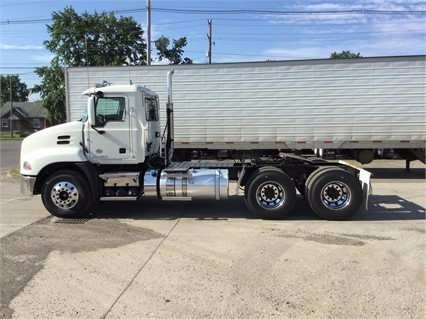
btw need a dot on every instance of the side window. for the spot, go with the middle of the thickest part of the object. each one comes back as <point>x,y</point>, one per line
<point>151,109</point>
<point>36,123</point>
<point>110,109</point>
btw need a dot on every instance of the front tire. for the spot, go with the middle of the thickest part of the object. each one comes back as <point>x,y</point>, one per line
<point>65,194</point>
<point>270,193</point>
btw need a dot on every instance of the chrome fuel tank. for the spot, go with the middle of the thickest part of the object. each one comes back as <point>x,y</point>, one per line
<point>194,183</point>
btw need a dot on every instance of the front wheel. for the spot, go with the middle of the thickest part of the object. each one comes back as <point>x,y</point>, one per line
<point>270,193</point>
<point>65,194</point>
<point>334,194</point>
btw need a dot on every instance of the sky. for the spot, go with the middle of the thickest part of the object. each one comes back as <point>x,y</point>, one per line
<point>242,30</point>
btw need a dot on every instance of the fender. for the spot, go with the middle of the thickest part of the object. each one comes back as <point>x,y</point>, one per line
<point>92,176</point>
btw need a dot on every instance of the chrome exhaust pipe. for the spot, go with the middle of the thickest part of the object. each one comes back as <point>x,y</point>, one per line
<point>170,120</point>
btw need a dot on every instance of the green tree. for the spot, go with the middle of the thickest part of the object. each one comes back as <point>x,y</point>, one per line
<point>345,55</point>
<point>20,91</point>
<point>95,39</point>
<point>172,53</point>
<point>52,91</point>
<point>86,40</point>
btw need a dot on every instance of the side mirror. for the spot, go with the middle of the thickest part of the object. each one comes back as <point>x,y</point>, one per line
<point>91,114</point>
<point>91,111</point>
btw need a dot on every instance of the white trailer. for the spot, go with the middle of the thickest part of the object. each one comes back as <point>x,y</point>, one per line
<point>345,104</point>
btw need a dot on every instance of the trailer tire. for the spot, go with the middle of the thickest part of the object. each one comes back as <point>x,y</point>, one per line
<point>334,194</point>
<point>65,194</point>
<point>270,193</point>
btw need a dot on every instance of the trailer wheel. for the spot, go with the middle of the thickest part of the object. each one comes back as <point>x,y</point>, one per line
<point>334,194</point>
<point>65,194</point>
<point>270,193</point>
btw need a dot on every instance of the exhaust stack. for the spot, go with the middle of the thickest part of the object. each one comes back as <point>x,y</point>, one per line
<point>170,120</point>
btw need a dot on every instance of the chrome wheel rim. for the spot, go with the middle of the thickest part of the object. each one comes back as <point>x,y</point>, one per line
<point>64,195</point>
<point>336,195</point>
<point>270,195</point>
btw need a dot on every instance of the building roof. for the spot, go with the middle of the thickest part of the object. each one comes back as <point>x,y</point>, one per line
<point>25,109</point>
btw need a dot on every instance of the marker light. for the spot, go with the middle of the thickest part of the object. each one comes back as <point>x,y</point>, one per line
<point>27,166</point>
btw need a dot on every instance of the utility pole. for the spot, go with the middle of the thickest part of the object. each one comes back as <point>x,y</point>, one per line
<point>11,107</point>
<point>209,36</point>
<point>148,32</point>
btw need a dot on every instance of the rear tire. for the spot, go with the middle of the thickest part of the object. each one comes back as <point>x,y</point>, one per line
<point>65,194</point>
<point>270,193</point>
<point>303,188</point>
<point>334,194</point>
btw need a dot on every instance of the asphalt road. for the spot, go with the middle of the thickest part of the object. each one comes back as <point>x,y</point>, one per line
<point>211,259</point>
<point>9,154</point>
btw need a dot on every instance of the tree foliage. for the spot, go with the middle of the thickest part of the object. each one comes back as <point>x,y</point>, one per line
<point>20,91</point>
<point>86,40</point>
<point>345,55</point>
<point>52,91</point>
<point>174,52</point>
<point>95,39</point>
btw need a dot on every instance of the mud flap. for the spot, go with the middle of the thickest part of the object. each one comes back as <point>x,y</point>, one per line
<point>364,177</point>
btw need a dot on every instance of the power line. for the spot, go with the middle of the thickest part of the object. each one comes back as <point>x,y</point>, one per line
<point>242,11</point>
<point>279,12</point>
<point>268,39</point>
<point>18,68</point>
<point>25,21</point>
<point>420,32</point>
<point>253,55</point>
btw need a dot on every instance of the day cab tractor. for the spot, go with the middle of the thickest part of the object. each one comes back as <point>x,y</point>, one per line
<point>117,151</point>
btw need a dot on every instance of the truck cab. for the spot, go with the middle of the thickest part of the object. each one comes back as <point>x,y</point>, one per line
<point>121,124</point>
<point>120,128</point>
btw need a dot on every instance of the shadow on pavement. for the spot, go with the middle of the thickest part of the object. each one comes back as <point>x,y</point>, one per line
<point>381,207</point>
<point>397,173</point>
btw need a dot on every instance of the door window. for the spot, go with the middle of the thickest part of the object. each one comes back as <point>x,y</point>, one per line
<point>110,109</point>
<point>151,109</point>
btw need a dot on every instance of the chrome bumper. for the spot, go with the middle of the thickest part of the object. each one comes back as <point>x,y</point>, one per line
<point>27,185</point>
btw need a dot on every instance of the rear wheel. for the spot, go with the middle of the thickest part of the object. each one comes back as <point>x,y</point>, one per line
<point>65,194</point>
<point>270,193</point>
<point>334,194</point>
<point>303,188</point>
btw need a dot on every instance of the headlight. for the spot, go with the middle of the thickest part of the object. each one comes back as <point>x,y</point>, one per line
<point>27,166</point>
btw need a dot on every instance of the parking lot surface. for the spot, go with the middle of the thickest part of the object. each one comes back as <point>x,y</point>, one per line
<point>212,259</point>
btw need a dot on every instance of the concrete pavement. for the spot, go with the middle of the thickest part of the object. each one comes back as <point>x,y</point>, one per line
<point>9,154</point>
<point>209,259</point>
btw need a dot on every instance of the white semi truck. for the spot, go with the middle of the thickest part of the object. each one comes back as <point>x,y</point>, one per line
<point>114,152</point>
<point>351,106</point>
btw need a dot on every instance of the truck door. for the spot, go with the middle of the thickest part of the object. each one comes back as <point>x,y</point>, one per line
<point>109,138</point>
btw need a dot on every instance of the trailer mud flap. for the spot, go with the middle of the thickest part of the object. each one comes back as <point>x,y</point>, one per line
<point>364,177</point>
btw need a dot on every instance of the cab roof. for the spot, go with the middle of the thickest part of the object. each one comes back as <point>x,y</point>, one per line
<point>126,88</point>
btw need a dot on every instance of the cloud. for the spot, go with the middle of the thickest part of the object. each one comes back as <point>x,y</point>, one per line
<point>20,47</point>
<point>380,47</point>
<point>320,12</point>
<point>307,52</point>
<point>47,58</point>
<point>387,47</point>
